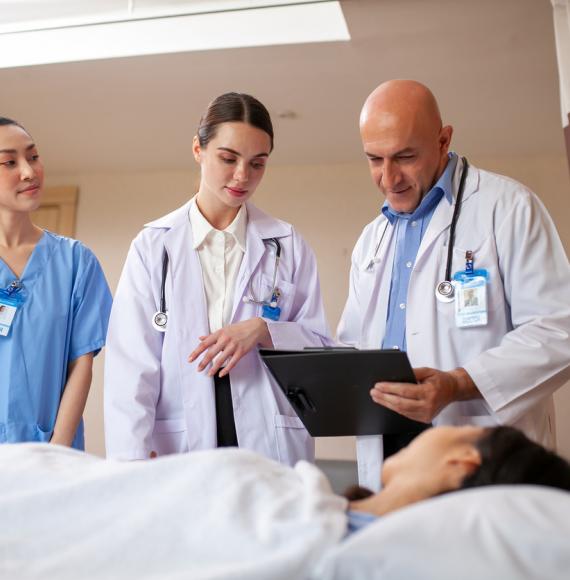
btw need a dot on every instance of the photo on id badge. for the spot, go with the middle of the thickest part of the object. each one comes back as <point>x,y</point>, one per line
<point>7,313</point>
<point>471,302</point>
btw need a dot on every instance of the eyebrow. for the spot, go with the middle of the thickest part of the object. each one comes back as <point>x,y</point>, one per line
<point>401,152</point>
<point>32,146</point>
<point>239,154</point>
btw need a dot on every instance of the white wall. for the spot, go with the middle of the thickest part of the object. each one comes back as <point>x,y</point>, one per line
<point>329,204</point>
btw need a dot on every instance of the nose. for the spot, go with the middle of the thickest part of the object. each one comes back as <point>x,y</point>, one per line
<point>241,173</point>
<point>391,175</point>
<point>27,172</point>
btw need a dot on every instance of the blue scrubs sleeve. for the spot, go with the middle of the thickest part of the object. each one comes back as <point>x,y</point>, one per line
<point>91,308</point>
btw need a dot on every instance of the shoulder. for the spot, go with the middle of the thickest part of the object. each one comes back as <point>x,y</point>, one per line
<point>170,220</point>
<point>501,189</point>
<point>69,248</point>
<point>153,232</point>
<point>266,225</point>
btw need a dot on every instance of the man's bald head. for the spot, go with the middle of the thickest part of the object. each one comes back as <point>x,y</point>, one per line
<point>405,100</point>
<point>404,140</point>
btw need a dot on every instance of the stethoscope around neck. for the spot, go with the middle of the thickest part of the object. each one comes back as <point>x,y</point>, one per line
<point>444,290</point>
<point>160,318</point>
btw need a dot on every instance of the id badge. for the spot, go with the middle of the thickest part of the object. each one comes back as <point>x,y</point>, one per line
<point>471,298</point>
<point>8,308</point>
<point>271,311</point>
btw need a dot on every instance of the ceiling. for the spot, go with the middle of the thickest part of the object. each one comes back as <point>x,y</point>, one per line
<point>491,64</point>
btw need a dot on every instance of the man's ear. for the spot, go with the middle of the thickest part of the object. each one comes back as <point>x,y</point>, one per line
<point>445,138</point>
<point>196,149</point>
<point>460,463</point>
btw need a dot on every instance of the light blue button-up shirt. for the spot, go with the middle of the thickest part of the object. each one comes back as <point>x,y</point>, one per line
<point>410,229</point>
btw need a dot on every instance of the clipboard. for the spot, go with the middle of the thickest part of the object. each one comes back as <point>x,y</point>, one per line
<point>329,389</point>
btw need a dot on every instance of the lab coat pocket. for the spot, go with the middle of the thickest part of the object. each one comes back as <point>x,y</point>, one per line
<point>169,436</point>
<point>286,296</point>
<point>293,440</point>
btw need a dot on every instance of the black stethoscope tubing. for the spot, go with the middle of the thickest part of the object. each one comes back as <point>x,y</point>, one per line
<point>163,282</point>
<point>160,318</point>
<point>455,219</point>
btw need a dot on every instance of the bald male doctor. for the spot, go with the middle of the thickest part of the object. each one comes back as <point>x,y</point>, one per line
<point>492,343</point>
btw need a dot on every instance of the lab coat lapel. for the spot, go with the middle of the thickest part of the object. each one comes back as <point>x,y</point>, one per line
<point>190,312</point>
<point>378,279</point>
<point>255,248</point>
<point>260,226</point>
<point>441,220</point>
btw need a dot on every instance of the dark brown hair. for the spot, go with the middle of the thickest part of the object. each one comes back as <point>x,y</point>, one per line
<point>4,121</point>
<point>508,456</point>
<point>233,107</point>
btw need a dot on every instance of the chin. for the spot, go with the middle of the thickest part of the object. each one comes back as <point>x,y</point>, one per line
<point>236,201</point>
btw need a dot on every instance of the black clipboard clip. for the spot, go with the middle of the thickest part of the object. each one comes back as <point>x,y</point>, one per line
<point>300,400</point>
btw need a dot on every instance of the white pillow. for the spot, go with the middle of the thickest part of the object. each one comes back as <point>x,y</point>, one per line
<point>499,532</point>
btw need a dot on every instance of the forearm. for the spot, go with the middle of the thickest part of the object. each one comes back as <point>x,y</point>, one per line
<point>465,387</point>
<point>73,400</point>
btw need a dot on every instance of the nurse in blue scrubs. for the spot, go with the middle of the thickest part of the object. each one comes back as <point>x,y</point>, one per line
<point>54,308</point>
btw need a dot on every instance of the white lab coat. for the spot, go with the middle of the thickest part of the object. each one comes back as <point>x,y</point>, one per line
<point>523,354</point>
<point>155,400</point>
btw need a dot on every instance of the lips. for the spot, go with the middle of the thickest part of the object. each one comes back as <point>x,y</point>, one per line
<point>33,188</point>
<point>236,191</point>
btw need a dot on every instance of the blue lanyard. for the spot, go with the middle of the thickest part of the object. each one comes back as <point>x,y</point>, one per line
<point>11,294</point>
<point>13,287</point>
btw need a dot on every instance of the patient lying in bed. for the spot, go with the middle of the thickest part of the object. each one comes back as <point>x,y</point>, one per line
<point>447,459</point>
<point>228,513</point>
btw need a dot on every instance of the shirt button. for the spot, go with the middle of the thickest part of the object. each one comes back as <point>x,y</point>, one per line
<point>395,347</point>
<point>414,224</point>
<point>408,264</point>
<point>219,269</point>
<point>402,306</point>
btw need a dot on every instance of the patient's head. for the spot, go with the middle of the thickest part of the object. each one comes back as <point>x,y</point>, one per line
<point>450,458</point>
<point>508,456</point>
<point>446,459</point>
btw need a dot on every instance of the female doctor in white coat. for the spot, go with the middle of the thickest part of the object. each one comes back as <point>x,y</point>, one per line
<point>234,279</point>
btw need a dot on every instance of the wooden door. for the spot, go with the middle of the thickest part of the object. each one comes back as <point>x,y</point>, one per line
<point>57,211</point>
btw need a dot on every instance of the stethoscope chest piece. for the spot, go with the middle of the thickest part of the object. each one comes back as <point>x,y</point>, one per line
<point>445,291</point>
<point>159,321</point>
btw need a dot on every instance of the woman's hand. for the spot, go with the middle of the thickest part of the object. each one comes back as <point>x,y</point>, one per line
<point>229,344</point>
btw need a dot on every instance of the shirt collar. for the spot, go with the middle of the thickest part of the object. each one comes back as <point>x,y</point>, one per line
<point>443,187</point>
<point>201,227</point>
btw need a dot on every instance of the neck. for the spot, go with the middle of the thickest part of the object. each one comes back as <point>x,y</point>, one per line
<point>17,229</point>
<point>219,215</point>
<point>393,497</point>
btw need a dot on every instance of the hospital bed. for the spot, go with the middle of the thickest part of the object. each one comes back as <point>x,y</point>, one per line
<point>231,514</point>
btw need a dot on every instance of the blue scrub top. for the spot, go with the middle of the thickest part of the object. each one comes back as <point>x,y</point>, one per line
<point>65,313</point>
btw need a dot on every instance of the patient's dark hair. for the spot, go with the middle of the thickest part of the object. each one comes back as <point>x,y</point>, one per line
<point>508,456</point>
<point>233,107</point>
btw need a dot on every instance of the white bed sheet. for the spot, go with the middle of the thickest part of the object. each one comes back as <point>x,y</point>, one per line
<point>208,515</point>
